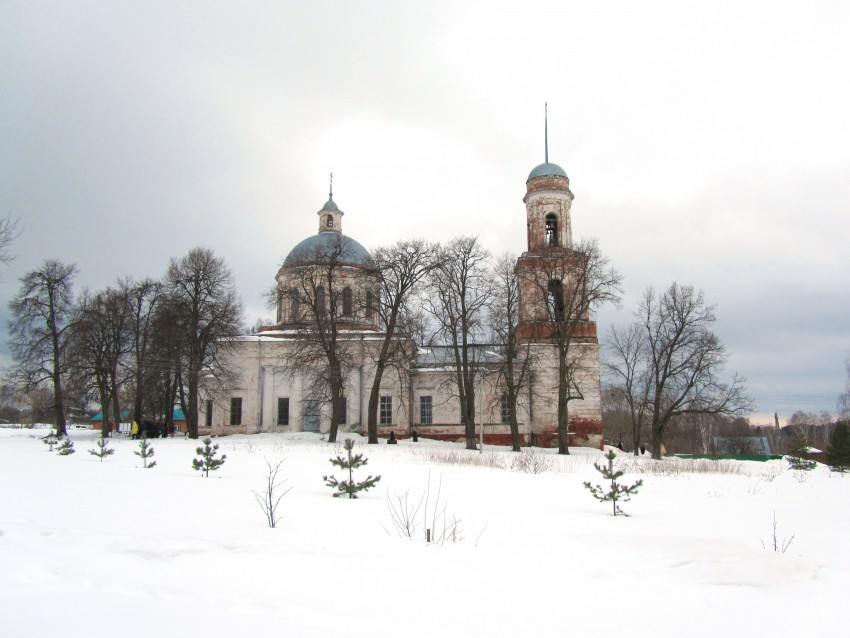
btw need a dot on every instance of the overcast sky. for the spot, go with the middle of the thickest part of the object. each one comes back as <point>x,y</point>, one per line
<point>707,143</point>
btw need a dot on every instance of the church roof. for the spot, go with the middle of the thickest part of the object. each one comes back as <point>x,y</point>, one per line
<point>547,169</point>
<point>319,248</point>
<point>330,205</point>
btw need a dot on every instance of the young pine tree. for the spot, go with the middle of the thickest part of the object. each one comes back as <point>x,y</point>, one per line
<point>102,449</point>
<point>145,451</point>
<point>208,461</point>
<point>616,491</point>
<point>351,462</point>
<point>838,450</point>
<point>66,448</point>
<point>50,441</point>
<point>796,455</point>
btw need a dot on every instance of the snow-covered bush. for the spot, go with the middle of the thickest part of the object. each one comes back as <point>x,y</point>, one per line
<point>532,462</point>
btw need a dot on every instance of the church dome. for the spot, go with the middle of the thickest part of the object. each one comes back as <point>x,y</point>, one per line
<point>547,169</point>
<point>315,249</point>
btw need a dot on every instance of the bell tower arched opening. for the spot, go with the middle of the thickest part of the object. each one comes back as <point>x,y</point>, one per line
<point>551,239</point>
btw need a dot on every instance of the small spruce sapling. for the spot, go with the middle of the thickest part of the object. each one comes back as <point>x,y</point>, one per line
<point>66,448</point>
<point>208,461</point>
<point>145,452</point>
<point>616,491</point>
<point>838,450</point>
<point>50,441</point>
<point>350,463</point>
<point>796,454</point>
<point>102,450</point>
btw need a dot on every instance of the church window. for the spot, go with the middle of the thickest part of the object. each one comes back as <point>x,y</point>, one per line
<point>330,221</point>
<point>506,408</point>
<point>346,302</point>
<point>426,410</point>
<point>294,305</point>
<point>370,305</point>
<point>283,411</point>
<point>236,411</point>
<point>556,300</point>
<point>551,230</point>
<point>386,410</point>
<point>208,414</point>
<point>320,301</point>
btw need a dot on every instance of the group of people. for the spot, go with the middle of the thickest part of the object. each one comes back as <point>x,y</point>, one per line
<point>151,430</point>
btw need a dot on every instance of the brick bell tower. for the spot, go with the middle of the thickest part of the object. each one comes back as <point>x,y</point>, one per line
<point>548,203</point>
<point>545,271</point>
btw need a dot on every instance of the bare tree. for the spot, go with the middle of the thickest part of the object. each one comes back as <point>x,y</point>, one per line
<point>8,233</point>
<point>401,267</point>
<point>683,359</point>
<point>209,312</point>
<point>629,376</point>
<point>575,282</point>
<point>39,331</point>
<point>461,290</point>
<point>142,299</point>
<point>515,370</point>
<point>99,342</point>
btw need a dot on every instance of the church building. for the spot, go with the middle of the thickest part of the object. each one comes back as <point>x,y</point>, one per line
<point>279,380</point>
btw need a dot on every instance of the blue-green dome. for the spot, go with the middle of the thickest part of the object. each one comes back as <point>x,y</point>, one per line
<point>547,169</point>
<point>319,248</point>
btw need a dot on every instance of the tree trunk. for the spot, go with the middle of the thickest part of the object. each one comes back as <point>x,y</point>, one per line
<point>192,401</point>
<point>374,399</point>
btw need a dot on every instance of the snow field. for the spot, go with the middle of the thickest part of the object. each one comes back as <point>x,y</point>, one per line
<point>91,548</point>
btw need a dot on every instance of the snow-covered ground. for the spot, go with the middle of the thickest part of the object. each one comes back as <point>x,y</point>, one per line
<point>91,548</point>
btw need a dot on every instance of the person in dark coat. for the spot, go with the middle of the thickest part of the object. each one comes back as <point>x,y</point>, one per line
<point>414,436</point>
<point>391,440</point>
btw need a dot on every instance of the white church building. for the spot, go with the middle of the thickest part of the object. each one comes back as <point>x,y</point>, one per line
<point>271,390</point>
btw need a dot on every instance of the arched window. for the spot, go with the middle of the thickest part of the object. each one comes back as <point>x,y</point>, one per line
<point>346,302</point>
<point>279,305</point>
<point>294,305</point>
<point>320,301</point>
<point>329,222</point>
<point>551,229</point>
<point>556,300</point>
<point>370,305</point>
